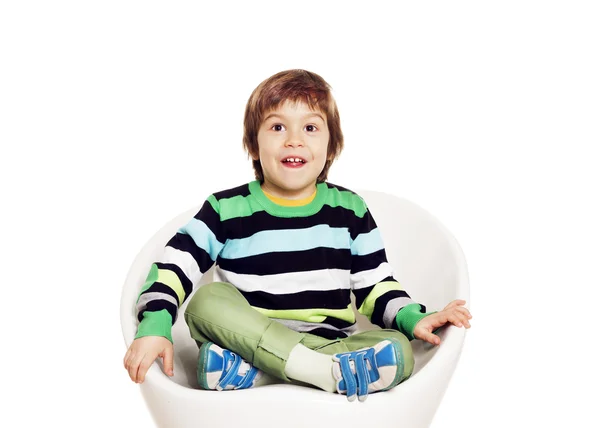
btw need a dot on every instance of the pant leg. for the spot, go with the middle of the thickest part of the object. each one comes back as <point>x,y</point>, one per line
<point>364,340</point>
<point>218,313</point>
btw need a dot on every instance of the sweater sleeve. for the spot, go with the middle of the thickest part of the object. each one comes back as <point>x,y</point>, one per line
<point>186,257</point>
<point>408,317</point>
<point>379,296</point>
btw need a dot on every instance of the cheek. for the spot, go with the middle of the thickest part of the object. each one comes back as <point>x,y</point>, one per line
<point>322,151</point>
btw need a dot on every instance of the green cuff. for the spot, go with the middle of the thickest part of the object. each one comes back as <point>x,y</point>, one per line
<point>155,324</point>
<point>408,317</point>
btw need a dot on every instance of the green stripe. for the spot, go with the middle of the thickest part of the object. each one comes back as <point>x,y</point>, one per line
<point>155,324</point>
<point>170,279</point>
<point>379,290</point>
<point>309,315</point>
<point>408,317</point>
<point>256,201</point>
<point>239,206</point>
<point>150,279</point>
<point>288,211</point>
<point>214,203</point>
<point>346,199</point>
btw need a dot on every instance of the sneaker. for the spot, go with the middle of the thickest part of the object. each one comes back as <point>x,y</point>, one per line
<point>220,369</point>
<point>368,370</point>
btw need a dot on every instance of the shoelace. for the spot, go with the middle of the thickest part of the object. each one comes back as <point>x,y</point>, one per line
<point>357,374</point>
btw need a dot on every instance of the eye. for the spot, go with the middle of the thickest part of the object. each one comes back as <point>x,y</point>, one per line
<point>311,128</point>
<point>277,127</point>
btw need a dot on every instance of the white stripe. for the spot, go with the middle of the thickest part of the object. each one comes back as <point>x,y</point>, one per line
<point>286,283</point>
<point>366,278</point>
<point>392,308</point>
<point>184,261</point>
<point>148,297</point>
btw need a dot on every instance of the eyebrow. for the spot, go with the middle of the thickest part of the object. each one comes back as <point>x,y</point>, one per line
<point>305,117</point>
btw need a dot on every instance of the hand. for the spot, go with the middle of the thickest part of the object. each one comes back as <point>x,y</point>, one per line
<point>142,353</point>
<point>453,313</point>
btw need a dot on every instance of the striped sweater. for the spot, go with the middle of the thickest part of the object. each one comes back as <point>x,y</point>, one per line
<point>295,264</point>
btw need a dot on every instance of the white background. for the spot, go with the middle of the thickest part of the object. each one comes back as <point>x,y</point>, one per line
<point>117,116</point>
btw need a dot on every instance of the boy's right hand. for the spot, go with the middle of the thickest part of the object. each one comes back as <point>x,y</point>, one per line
<point>142,353</point>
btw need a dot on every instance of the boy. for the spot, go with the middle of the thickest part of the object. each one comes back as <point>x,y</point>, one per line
<point>289,249</point>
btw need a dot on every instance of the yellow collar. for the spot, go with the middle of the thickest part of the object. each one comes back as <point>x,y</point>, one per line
<point>291,202</point>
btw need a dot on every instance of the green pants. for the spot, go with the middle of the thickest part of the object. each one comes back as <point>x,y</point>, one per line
<point>218,313</point>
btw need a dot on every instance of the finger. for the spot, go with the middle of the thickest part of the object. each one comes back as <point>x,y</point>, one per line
<point>464,311</point>
<point>129,360</point>
<point>457,302</point>
<point>464,318</point>
<point>464,321</point>
<point>436,320</point>
<point>168,360</point>
<point>143,367</point>
<point>126,357</point>
<point>429,337</point>
<point>454,303</point>
<point>134,364</point>
<point>455,319</point>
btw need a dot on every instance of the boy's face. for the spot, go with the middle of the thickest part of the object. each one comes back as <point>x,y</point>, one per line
<point>292,132</point>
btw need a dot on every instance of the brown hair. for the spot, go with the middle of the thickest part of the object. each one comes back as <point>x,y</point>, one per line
<point>292,85</point>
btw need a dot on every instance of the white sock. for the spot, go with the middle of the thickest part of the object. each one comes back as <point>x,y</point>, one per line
<point>306,365</point>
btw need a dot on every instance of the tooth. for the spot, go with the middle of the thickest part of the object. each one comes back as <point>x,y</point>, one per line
<point>297,160</point>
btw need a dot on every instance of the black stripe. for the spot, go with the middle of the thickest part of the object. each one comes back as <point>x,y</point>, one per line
<point>327,333</point>
<point>212,219</point>
<point>338,323</point>
<point>158,305</point>
<point>185,243</point>
<point>381,303</point>
<point>185,282</point>
<point>159,287</point>
<point>363,225</point>
<point>291,261</point>
<point>359,225</point>
<point>368,261</point>
<point>361,294</point>
<point>330,299</point>
<point>243,190</point>
<point>340,188</point>
<point>243,227</point>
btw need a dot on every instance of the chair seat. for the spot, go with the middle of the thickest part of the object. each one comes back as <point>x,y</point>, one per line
<point>427,261</point>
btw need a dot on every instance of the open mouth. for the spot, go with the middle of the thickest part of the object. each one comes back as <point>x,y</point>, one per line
<point>293,162</point>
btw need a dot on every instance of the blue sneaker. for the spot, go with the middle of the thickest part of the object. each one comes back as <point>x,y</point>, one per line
<point>373,369</point>
<point>221,369</point>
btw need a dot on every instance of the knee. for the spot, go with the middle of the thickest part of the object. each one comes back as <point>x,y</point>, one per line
<point>407,354</point>
<point>206,301</point>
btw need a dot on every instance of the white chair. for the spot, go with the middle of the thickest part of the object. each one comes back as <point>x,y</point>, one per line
<point>429,263</point>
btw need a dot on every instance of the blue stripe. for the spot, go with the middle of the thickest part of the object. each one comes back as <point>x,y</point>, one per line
<point>367,243</point>
<point>203,237</point>
<point>285,240</point>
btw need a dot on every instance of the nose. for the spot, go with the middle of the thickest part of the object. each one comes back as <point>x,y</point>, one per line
<point>294,139</point>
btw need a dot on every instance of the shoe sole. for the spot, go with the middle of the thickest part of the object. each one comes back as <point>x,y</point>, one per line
<point>204,349</point>
<point>399,354</point>
<point>400,358</point>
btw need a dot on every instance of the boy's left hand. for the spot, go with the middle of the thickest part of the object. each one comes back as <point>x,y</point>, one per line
<point>453,313</point>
